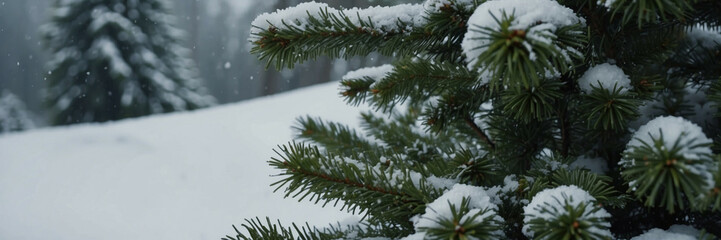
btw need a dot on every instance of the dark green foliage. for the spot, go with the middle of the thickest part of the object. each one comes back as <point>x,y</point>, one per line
<point>449,21</point>
<point>417,80</point>
<point>713,199</point>
<point>384,193</point>
<point>474,170</point>
<point>268,230</point>
<point>532,103</point>
<point>334,35</point>
<point>650,10</point>
<point>598,186</point>
<point>335,137</point>
<point>514,122</point>
<point>609,109</point>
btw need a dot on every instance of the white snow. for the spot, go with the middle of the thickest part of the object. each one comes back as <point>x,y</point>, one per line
<point>440,208</point>
<point>606,3</point>
<point>375,73</point>
<point>396,177</point>
<point>553,200</point>
<point>539,18</point>
<point>384,19</point>
<point>436,5</point>
<point>187,175</point>
<point>684,229</point>
<point>704,37</point>
<point>658,234</point>
<point>605,76</point>
<point>673,129</point>
<point>105,48</point>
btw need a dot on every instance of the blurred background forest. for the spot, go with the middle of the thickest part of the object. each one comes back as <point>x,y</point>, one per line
<point>216,32</point>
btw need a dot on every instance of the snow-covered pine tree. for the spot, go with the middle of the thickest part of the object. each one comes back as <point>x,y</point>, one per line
<point>509,119</point>
<point>14,116</point>
<point>116,59</point>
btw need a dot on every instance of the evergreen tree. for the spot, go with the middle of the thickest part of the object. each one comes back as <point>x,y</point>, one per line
<point>116,59</point>
<point>14,116</point>
<point>509,119</point>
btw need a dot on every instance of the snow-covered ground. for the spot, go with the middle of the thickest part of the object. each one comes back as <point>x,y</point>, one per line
<point>177,176</point>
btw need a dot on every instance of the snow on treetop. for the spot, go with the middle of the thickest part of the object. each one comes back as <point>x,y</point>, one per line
<point>553,200</point>
<point>604,76</point>
<point>384,19</point>
<point>534,16</point>
<point>439,208</point>
<point>375,73</point>
<point>673,128</point>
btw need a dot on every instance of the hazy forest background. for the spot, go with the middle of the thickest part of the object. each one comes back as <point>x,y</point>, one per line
<point>216,32</point>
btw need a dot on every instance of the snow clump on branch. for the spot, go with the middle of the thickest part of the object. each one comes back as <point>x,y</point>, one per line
<point>604,76</point>
<point>537,19</point>
<point>382,19</point>
<point>550,203</point>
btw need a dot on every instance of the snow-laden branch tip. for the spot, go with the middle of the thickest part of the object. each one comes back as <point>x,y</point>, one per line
<point>692,145</point>
<point>604,76</point>
<point>538,19</point>
<point>550,203</point>
<point>383,19</point>
<point>375,73</point>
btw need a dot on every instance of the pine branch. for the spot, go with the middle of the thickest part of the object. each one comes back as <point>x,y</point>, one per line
<point>470,168</point>
<point>464,223</point>
<point>532,103</point>
<point>455,107</point>
<point>653,44</point>
<point>382,193</point>
<point>649,11</point>
<point>338,139</point>
<point>511,58</point>
<point>707,13</point>
<point>338,33</point>
<point>450,20</point>
<point>696,61</point>
<point>480,133</point>
<point>609,109</point>
<point>268,230</point>
<point>414,80</point>
<point>598,186</point>
<point>518,143</point>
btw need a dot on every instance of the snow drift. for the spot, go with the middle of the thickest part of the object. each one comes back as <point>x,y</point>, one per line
<point>184,175</point>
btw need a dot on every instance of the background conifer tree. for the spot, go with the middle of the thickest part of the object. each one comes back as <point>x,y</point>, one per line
<point>14,116</point>
<point>116,59</point>
<point>509,119</point>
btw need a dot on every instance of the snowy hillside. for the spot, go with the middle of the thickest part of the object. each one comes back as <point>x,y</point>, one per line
<point>175,176</point>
